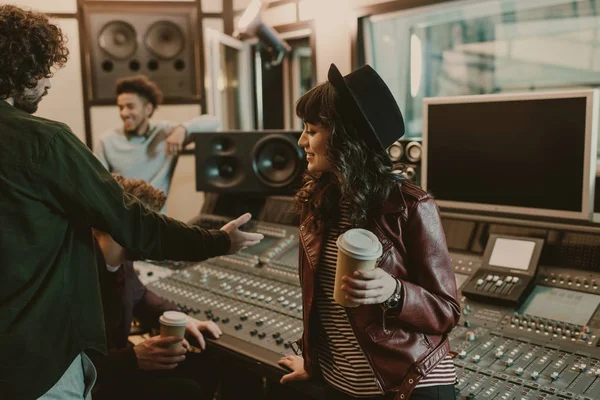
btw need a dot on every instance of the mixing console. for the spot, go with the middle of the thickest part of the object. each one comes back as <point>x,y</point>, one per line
<point>546,348</point>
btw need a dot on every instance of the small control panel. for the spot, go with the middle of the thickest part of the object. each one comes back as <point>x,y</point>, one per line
<point>508,270</point>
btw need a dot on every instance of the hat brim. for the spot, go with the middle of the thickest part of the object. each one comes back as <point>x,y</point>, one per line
<point>354,111</point>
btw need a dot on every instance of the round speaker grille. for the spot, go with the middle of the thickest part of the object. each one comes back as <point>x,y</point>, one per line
<point>117,39</point>
<point>276,160</point>
<point>223,171</point>
<point>413,151</point>
<point>395,151</point>
<point>165,40</point>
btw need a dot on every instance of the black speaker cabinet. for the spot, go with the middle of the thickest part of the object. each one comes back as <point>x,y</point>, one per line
<point>406,156</point>
<point>160,40</point>
<point>258,162</point>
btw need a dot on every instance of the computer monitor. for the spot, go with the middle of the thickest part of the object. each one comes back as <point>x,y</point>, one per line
<point>530,154</point>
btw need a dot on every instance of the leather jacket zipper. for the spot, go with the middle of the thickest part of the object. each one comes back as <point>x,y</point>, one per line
<point>369,361</point>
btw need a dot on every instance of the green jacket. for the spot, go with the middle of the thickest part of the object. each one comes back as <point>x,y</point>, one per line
<point>52,190</point>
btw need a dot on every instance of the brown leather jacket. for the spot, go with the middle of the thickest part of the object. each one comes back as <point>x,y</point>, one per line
<point>415,252</point>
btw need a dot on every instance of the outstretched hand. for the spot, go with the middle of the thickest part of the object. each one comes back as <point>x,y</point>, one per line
<point>240,240</point>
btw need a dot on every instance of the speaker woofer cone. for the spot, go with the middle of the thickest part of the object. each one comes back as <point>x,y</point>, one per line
<point>275,160</point>
<point>223,171</point>
<point>118,40</point>
<point>165,40</point>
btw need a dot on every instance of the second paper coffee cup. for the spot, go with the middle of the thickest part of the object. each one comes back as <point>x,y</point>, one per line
<point>358,250</point>
<point>172,323</point>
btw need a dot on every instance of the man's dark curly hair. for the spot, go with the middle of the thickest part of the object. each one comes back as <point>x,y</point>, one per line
<point>361,177</point>
<point>29,47</point>
<point>142,86</point>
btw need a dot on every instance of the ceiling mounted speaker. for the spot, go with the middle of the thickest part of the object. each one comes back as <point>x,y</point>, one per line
<point>275,160</point>
<point>165,40</point>
<point>266,163</point>
<point>118,40</point>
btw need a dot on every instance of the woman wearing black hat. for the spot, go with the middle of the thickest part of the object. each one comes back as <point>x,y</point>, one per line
<point>393,344</point>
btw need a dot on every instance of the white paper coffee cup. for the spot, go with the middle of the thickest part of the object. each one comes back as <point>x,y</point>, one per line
<point>172,323</point>
<point>358,250</point>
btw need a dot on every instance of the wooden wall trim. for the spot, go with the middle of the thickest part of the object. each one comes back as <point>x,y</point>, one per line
<point>85,76</point>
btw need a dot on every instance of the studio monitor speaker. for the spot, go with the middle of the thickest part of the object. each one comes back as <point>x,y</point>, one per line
<point>406,157</point>
<point>259,162</point>
<point>159,40</point>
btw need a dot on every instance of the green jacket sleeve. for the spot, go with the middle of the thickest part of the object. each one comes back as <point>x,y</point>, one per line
<point>83,190</point>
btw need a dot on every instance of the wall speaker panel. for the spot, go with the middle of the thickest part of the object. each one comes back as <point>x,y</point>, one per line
<point>160,41</point>
<point>406,157</point>
<point>259,162</point>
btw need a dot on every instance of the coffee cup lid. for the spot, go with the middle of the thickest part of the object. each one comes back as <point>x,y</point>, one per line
<point>360,244</point>
<point>173,318</point>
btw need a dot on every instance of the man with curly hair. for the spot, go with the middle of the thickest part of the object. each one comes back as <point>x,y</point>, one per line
<point>52,191</point>
<point>151,369</point>
<point>141,149</point>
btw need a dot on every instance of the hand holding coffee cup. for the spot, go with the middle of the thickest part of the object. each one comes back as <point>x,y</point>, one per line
<point>173,323</point>
<point>358,250</point>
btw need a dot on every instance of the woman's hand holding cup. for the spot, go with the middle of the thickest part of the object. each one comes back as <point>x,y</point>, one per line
<point>368,287</point>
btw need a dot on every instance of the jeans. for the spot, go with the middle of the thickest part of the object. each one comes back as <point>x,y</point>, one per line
<point>441,392</point>
<point>76,383</point>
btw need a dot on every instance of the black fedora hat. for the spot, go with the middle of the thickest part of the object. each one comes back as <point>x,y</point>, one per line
<point>369,104</point>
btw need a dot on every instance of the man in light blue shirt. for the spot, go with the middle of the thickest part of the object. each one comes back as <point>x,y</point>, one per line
<point>142,149</point>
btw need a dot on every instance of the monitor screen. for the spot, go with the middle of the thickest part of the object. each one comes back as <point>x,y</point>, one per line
<point>525,154</point>
<point>511,253</point>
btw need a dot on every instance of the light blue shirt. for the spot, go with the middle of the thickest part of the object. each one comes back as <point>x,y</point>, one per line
<point>145,157</point>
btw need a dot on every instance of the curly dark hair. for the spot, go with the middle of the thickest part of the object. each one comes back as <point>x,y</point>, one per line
<point>147,194</point>
<point>361,176</point>
<point>30,46</point>
<point>142,86</point>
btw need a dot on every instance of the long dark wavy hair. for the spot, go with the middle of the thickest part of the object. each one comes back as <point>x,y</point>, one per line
<point>361,177</point>
<point>29,47</point>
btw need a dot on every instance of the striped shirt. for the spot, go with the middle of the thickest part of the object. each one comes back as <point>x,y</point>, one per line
<point>342,361</point>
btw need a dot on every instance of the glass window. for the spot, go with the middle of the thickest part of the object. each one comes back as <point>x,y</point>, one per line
<point>477,47</point>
